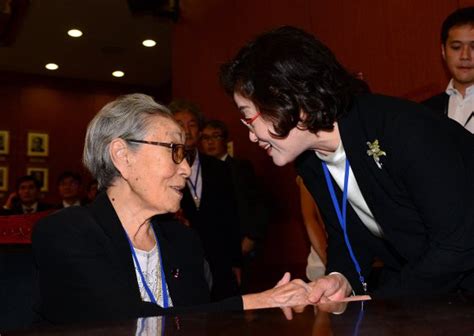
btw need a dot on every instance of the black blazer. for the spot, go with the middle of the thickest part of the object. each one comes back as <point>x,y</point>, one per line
<point>217,223</point>
<point>422,197</point>
<point>86,271</point>
<point>438,103</point>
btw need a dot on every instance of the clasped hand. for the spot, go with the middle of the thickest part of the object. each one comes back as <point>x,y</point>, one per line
<point>294,295</point>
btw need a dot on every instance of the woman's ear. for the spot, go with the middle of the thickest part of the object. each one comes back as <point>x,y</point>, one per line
<point>120,156</point>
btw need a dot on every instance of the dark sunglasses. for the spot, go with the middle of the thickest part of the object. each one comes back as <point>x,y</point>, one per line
<point>179,152</point>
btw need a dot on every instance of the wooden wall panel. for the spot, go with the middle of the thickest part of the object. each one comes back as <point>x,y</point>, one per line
<point>61,108</point>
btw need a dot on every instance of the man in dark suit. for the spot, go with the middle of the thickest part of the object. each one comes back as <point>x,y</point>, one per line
<point>209,207</point>
<point>392,180</point>
<point>253,213</point>
<point>251,207</point>
<point>69,189</point>
<point>457,38</point>
<point>26,198</point>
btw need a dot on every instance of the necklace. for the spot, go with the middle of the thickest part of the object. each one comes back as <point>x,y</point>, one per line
<point>164,292</point>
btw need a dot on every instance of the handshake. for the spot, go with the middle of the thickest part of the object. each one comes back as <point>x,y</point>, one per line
<point>331,293</point>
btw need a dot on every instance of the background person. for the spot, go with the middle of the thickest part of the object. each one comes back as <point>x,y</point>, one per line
<point>26,198</point>
<point>457,40</point>
<point>69,189</point>
<point>252,210</point>
<point>209,206</point>
<point>251,206</point>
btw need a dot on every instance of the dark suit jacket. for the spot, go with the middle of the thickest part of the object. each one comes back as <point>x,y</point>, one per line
<point>438,103</point>
<point>216,222</point>
<point>86,271</point>
<point>17,209</point>
<point>422,197</point>
<point>252,210</point>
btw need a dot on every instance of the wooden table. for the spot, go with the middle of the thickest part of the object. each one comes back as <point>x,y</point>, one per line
<point>453,315</point>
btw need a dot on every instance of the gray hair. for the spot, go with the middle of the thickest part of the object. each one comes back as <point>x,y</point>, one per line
<point>180,105</point>
<point>126,117</point>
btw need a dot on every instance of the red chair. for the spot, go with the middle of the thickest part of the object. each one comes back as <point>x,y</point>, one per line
<point>16,229</point>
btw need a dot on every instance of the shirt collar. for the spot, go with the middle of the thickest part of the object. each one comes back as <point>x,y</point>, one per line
<point>451,90</point>
<point>34,207</point>
<point>196,162</point>
<point>67,205</point>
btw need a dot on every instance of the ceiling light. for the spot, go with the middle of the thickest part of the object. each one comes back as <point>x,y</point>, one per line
<point>149,43</point>
<point>118,73</point>
<point>74,33</point>
<point>51,66</point>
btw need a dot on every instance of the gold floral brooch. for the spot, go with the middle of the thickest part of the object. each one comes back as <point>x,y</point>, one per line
<point>375,151</point>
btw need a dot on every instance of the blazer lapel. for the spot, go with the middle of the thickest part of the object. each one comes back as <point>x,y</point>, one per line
<point>107,218</point>
<point>172,265</point>
<point>370,178</point>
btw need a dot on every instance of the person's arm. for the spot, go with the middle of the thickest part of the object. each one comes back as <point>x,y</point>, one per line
<point>254,211</point>
<point>231,220</point>
<point>312,220</point>
<point>10,201</point>
<point>285,294</point>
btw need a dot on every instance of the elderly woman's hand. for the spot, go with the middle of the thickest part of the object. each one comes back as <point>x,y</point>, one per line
<point>286,293</point>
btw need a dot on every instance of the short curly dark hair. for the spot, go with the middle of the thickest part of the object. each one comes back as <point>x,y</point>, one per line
<point>287,70</point>
<point>28,178</point>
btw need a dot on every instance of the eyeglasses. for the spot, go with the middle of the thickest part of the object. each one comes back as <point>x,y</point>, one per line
<point>248,121</point>
<point>179,152</point>
<point>214,137</point>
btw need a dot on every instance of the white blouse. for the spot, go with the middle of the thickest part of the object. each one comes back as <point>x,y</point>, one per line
<point>336,163</point>
<point>151,268</point>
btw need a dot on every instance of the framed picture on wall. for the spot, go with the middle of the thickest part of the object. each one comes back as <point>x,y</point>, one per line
<point>38,144</point>
<point>41,174</point>
<point>4,142</point>
<point>3,178</point>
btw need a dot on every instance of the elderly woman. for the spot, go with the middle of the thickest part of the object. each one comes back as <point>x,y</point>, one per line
<point>115,258</point>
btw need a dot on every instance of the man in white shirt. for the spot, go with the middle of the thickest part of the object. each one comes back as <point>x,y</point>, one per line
<point>457,50</point>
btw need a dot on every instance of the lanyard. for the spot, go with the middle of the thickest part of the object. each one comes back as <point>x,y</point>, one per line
<point>163,279</point>
<point>342,216</point>
<point>194,187</point>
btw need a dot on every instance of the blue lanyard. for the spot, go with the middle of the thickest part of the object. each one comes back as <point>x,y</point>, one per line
<point>163,278</point>
<point>342,216</point>
<point>194,187</point>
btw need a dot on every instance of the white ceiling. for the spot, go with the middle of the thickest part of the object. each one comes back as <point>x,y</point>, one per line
<point>111,41</point>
